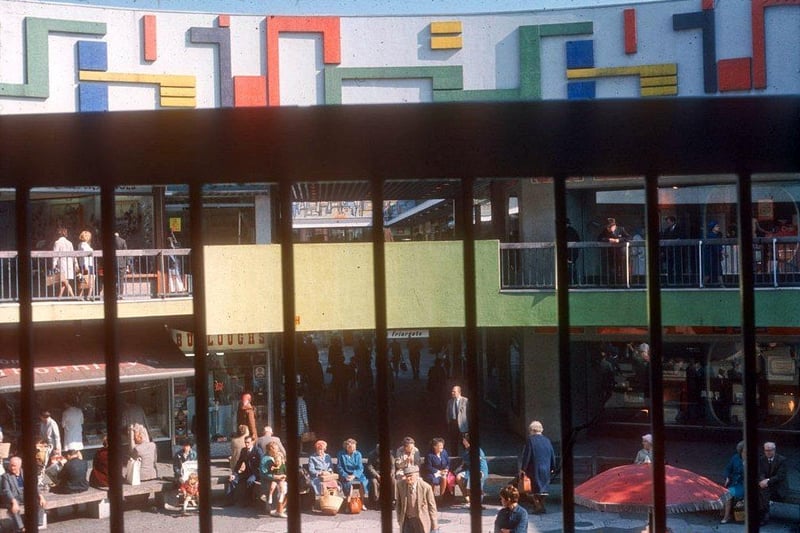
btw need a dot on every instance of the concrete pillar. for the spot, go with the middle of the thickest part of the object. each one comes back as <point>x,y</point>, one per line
<point>263,211</point>
<point>541,384</point>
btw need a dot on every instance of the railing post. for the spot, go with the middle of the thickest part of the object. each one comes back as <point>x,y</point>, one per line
<point>774,262</point>
<point>700,273</point>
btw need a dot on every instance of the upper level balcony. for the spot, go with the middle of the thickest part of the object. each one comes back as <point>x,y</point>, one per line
<point>684,264</point>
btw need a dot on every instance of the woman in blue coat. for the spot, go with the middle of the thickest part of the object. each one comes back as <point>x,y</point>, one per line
<point>734,480</point>
<point>436,469</point>
<point>538,462</point>
<point>350,467</point>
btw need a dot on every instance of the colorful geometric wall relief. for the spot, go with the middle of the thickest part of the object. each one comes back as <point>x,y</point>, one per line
<point>443,78</point>
<point>92,55</point>
<point>174,91</point>
<point>249,91</point>
<point>654,80</point>
<point>224,21</point>
<point>530,66</point>
<point>629,26</point>
<point>92,97</point>
<point>149,49</point>
<point>331,45</point>
<point>703,21</point>
<point>446,35</point>
<point>759,38</point>
<point>221,38</point>
<point>581,90</point>
<point>734,74</point>
<point>37,56</point>
<point>580,54</point>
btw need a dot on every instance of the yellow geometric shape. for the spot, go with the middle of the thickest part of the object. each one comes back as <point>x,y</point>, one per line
<point>654,80</point>
<point>452,26</point>
<point>446,43</point>
<point>178,102</point>
<point>178,91</point>
<point>659,91</point>
<point>167,80</point>
<point>174,90</point>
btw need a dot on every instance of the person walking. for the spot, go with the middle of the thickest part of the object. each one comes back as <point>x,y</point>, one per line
<point>538,462</point>
<point>416,508</point>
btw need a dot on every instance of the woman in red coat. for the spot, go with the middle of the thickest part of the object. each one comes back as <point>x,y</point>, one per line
<point>99,476</point>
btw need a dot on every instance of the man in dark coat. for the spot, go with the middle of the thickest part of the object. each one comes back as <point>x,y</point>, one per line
<point>245,470</point>
<point>772,479</point>
<point>72,477</point>
<point>11,495</point>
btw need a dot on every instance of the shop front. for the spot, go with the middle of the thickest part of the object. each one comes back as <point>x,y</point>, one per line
<point>70,371</point>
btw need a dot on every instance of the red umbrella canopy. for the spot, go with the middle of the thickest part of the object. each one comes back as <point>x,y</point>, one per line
<point>629,488</point>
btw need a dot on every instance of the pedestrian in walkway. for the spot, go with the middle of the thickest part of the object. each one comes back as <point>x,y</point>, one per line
<point>645,455</point>
<point>538,462</point>
<point>416,508</point>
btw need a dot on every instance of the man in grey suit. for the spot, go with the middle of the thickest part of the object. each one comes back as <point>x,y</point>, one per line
<point>416,507</point>
<point>11,485</point>
<point>457,422</point>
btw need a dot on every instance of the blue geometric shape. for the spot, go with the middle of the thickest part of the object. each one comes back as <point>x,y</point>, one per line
<point>580,90</point>
<point>92,97</point>
<point>580,54</point>
<point>92,55</point>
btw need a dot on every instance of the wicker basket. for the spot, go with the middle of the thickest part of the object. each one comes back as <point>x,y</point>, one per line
<point>330,502</point>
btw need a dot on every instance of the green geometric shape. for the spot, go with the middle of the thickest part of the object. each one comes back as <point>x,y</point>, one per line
<point>37,56</point>
<point>530,66</point>
<point>443,78</point>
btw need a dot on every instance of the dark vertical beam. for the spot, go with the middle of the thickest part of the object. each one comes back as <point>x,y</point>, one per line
<point>750,378</point>
<point>110,326</point>
<point>659,517</point>
<point>381,325</point>
<point>289,341</point>
<point>564,359</point>
<point>200,352</point>
<point>28,394</point>
<point>471,342</point>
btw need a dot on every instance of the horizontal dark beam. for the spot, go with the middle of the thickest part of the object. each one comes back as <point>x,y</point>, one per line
<point>609,137</point>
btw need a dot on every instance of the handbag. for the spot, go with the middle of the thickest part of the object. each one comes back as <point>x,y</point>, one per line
<point>329,476</point>
<point>53,279</point>
<point>524,483</point>
<point>133,472</point>
<point>308,436</point>
<point>354,502</point>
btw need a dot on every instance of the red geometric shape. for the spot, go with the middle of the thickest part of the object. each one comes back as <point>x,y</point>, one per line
<point>224,21</point>
<point>759,38</point>
<point>734,74</point>
<point>249,91</point>
<point>708,4</point>
<point>149,37</point>
<point>331,45</point>
<point>629,17</point>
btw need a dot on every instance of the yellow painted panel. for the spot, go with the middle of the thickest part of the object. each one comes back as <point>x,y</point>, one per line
<point>178,102</point>
<point>656,81</point>
<point>667,90</point>
<point>178,91</point>
<point>450,26</point>
<point>120,77</point>
<point>243,288</point>
<point>446,43</point>
<point>669,69</point>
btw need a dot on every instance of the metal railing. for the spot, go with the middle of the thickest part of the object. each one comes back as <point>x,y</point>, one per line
<point>142,274</point>
<point>684,264</point>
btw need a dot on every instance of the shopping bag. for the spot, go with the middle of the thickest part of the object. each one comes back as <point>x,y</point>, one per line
<point>354,502</point>
<point>524,486</point>
<point>53,279</point>
<point>133,472</point>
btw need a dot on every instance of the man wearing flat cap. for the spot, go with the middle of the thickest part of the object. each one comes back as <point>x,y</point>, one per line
<point>416,508</point>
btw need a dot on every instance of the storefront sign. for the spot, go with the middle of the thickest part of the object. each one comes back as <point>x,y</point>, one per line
<point>407,334</point>
<point>221,343</point>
